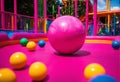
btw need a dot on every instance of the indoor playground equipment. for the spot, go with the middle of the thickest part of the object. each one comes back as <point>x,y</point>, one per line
<point>60,33</point>
<point>93,69</point>
<point>31,45</point>
<point>33,71</point>
<point>108,19</point>
<point>103,22</point>
<point>7,75</point>
<point>23,41</point>
<point>103,78</point>
<point>18,60</point>
<point>59,41</point>
<point>41,43</point>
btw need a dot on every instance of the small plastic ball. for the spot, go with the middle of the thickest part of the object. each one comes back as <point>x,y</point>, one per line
<point>116,44</point>
<point>66,34</point>
<point>7,75</point>
<point>41,43</point>
<point>93,70</point>
<point>38,71</point>
<point>31,45</point>
<point>103,78</point>
<point>23,41</point>
<point>18,60</point>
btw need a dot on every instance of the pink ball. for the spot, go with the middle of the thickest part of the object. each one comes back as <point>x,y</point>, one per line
<point>66,34</point>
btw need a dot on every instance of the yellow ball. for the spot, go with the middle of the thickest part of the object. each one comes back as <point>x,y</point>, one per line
<point>92,70</point>
<point>18,60</point>
<point>31,45</point>
<point>38,71</point>
<point>7,75</point>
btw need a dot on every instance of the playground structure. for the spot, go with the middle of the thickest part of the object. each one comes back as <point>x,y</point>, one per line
<point>108,20</point>
<point>96,22</point>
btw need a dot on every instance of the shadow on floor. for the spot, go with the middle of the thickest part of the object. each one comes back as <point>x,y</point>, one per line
<point>80,53</point>
<point>24,68</point>
<point>45,80</point>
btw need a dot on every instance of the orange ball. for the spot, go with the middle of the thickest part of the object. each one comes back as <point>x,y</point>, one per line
<point>31,45</point>
<point>38,71</point>
<point>18,60</point>
<point>93,70</point>
<point>7,75</point>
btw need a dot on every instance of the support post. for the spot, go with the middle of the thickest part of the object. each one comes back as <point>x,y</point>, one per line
<point>35,16</point>
<point>108,22</point>
<point>45,8</point>
<point>87,17</point>
<point>76,2</point>
<point>2,14</point>
<point>58,10</point>
<point>45,15</point>
<point>15,15</point>
<point>95,18</point>
<point>108,9</point>
<point>114,25</point>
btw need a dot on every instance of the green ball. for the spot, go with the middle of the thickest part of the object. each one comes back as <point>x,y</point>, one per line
<point>23,41</point>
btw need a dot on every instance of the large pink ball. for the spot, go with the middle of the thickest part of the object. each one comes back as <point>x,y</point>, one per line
<point>66,34</point>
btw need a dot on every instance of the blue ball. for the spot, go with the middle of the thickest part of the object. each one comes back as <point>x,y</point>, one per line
<point>103,78</point>
<point>41,43</point>
<point>116,44</point>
